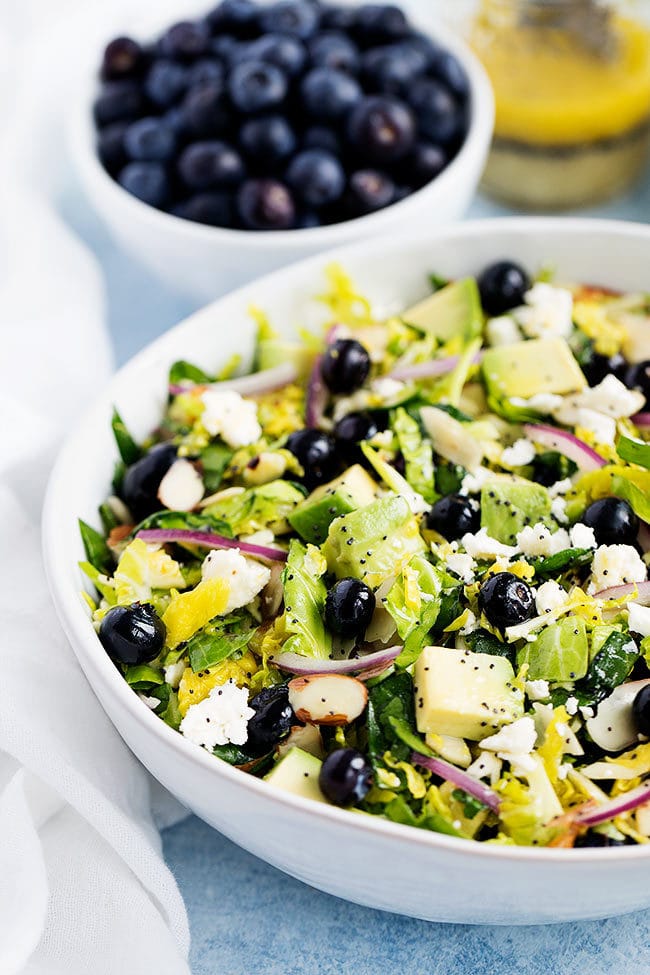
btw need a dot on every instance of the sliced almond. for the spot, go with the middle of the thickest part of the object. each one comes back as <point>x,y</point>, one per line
<point>304,736</point>
<point>328,699</point>
<point>181,488</point>
<point>272,594</point>
<point>612,728</point>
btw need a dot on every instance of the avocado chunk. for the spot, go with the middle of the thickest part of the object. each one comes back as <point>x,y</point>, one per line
<point>374,542</point>
<point>559,653</point>
<point>273,352</point>
<point>313,516</point>
<point>454,310</point>
<point>507,506</point>
<point>464,694</point>
<point>525,369</point>
<point>298,773</point>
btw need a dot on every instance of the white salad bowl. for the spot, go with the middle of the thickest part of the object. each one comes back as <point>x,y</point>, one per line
<point>356,856</point>
<point>204,261</point>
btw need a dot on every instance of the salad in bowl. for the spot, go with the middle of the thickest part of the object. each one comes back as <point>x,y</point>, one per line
<point>400,566</point>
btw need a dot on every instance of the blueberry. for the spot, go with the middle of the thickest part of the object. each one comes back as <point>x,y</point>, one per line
<point>284,51</point>
<point>502,286</point>
<point>265,204</point>
<point>345,365</point>
<point>337,18</point>
<point>267,140</point>
<point>506,600</point>
<point>118,101</point>
<point>328,94</point>
<point>641,711</point>
<point>345,777</point>
<point>255,86</point>
<point>110,146</point>
<point>206,110</point>
<point>369,190</point>
<point>333,49</point>
<point>377,23</point>
<point>238,17</point>
<point>307,220</point>
<point>316,177</point>
<point>210,165</point>
<point>165,83</point>
<point>316,453</point>
<point>382,129</point>
<point>351,430</point>
<point>439,116</point>
<point>142,479</point>
<point>150,139</point>
<point>425,162</point>
<point>204,70</point>
<point>594,838</point>
<point>225,49</point>
<point>132,634</point>
<point>123,58</point>
<point>453,516</point>
<point>447,68</point>
<point>214,209</point>
<point>638,377</point>
<point>613,521</point>
<point>272,720</point>
<point>349,607</point>
<point>322,137</point>
<point>392,69</point>
<point>596,367</point>
<point>146,180</point>
<point>185,40</point>
<point>299,17</point>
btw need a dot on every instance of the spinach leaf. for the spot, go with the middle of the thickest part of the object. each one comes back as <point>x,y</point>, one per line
<point>405,734</point>
<point>399,811</point>
<point>568,558</point>
<point>449,477</point>
<point>142,677</point>
<point>216,642</point>
<point>393,698</point>
<point>454,412</point>
<point>482,641</point>
<point>214,458</point>
<point>126,445</point>
<point>108,518</point>
<point>471,806</point>
<point>437,282</point>
<point>633,451</point>
<point>182,371</point>
<point>168,708</point>
<point>96,549</point>
<point>609,668</point>
<point>238,757</point>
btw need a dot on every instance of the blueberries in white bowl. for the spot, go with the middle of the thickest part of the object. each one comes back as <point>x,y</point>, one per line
<point>279,116</point>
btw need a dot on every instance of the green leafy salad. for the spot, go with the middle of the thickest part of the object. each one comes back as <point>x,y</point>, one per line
<point>401,565</point>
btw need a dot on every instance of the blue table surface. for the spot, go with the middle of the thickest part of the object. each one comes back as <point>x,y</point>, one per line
<point>247,917</point>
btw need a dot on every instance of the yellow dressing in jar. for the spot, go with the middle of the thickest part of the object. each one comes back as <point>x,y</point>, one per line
<point>572,91</point>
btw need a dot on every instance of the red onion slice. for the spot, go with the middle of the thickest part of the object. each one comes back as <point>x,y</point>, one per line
<point>208,540</point>
<point>615,807</point>
<point>641,419</point>
<point>467,783</point>
<point>641,590</point>
<point>255,384</point>
<point>369,665</point>
<point>567,444</point>
<point>431,369</point>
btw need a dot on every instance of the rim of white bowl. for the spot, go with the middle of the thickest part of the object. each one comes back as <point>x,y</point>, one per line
<point>74,617</point>
<point>97,181</point>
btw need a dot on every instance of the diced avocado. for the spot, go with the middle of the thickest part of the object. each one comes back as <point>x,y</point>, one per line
<point>559,653</point>
<point>507,506</point>
<point>275,352</point>
<point>464,694</point>
<point>453,310</point>
<point>453,750</point>
<point>298,773</point>
<point>374,542</point>
<point>313,516</point>
<point>527,368</point>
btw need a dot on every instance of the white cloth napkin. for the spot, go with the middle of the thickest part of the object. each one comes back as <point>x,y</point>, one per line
<point>83,887</point>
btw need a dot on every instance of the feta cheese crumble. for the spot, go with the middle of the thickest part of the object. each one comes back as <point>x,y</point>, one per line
<point>219,719</point>
<point>245,577</point>
<point>514,742</point>
<point>537,690</point>
<point>558,510</point>
<point>502,330</point>
<point>638,619</point>
<point>227,414</point>
<point>472,483</point>
<point>582,536</point>
<point>521,453</point>
<point>461,565</point>
<point>560,487</point>
<point>483,546</point>
<point>538,540</point>
<point>540,402</point>
<point>616,565</point>
<point>550,596</point>
<point>571,706</point>
<point>547,312</point>
<point>387,388</point>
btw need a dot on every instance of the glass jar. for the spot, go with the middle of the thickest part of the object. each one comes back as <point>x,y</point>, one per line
<point>572,87</point>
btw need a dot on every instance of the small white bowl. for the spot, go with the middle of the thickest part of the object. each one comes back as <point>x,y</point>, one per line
<point>204,261</point>
<point>359,857</point>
